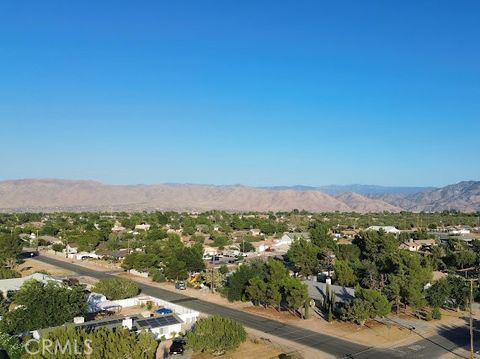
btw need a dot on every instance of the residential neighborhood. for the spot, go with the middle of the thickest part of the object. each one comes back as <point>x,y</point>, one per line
<point>320,266</point>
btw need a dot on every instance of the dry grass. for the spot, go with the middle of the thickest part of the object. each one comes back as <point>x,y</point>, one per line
<point>249,349</point>
<point>30,266</point>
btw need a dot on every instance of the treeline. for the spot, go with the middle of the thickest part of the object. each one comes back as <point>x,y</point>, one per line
<point>269,284</point>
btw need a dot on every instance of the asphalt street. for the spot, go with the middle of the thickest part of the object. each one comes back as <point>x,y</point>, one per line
<point>434,347</point>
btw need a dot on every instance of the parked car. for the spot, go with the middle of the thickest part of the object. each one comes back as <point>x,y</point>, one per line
<point>178,346</point>
<point>180,285</point>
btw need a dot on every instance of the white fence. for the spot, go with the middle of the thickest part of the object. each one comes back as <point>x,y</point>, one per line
<point>189,316</point>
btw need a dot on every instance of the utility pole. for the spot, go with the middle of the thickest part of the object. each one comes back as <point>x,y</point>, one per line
<point>471,320</point>
<point>471,280</point>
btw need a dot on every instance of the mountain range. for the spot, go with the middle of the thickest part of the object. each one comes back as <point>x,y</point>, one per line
<point>71,195</point>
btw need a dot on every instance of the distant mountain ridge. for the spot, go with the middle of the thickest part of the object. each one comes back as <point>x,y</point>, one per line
<point>85,195</point>
<point>356,188</point>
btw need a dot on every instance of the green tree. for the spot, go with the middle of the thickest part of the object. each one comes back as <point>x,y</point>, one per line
<point>12,346</point>
<point>37,306</point>
<point>348,252</point>
<point>140,261</point>
<point>438,294</point>
<point>378,302</point>
<point>459,291</point>
<point>102,343</point>
<point>238,282</point>
<point>10,248</point>
<point>223,269</point>
<point>393,290</point>
<point>58,247</point>
<point>257,291</point>
<point>368,304</point>
<point>465,258</point>
<point>321,237</point>
<point>304,255</point>
<point>175,269</point>
<point>344,274</point>
<point>357,311</point>
<point>296,294</point>
<point>216,335</point>
<point>378,247</point>
<point>116,288</point>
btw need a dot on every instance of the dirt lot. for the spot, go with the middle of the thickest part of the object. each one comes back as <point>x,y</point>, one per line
<point>249,349</point>
<point>30,266</point>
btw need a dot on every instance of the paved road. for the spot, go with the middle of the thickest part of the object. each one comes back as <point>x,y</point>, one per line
<point>425,348</point>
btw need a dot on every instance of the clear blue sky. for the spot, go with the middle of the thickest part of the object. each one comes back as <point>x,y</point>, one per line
<point>251,92</point>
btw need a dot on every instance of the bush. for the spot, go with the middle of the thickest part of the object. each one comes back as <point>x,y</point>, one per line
<point>37,306</point>
<point>157,275</point>
<point>428,317</point>
<point>215,335</point>
<point>223,269</point>
<point>116,288</point>
<point>104,343</point>
<point>436,313</point>
<point>12,346</point>
<point>7,273</point>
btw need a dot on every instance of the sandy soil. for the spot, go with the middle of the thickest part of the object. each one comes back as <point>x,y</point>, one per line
<point>30,266</point>
<point>249,349</point>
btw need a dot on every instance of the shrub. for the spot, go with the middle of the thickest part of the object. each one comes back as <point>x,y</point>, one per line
<point>436,313</point>
<point>7,273</point>
<point>157,275</point>
<point>215,335</point>
<point>12,346</point>
<point>116,288</point>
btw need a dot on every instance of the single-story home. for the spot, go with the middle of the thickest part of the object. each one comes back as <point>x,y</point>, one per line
<point>318,291</point>
<point>142,227</point>
<point>117,227</point>
<point>166,326</point>
<point>14,284</point>
<point>255,232</point>
<point>386,229</point>
<point>415,245</point>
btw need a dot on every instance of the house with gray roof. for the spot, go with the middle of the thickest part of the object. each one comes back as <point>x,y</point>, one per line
<point>318,291</point>
<point>14,284</point>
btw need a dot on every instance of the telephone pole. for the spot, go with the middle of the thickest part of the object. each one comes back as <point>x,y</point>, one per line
<point>471,320</point>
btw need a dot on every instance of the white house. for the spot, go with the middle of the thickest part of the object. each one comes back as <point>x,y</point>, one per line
<point>283,244</point>
<point>460,231</point>
<point>117,227</point>
<point>71,249</point>
<point>14,284</point>
<point>386,229</point>
<point>255,232</point>
<point>417,245</point>
<point>261,246</point>
<point>188,316</point>
<point>142,227</point>
<point>166,326</point>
